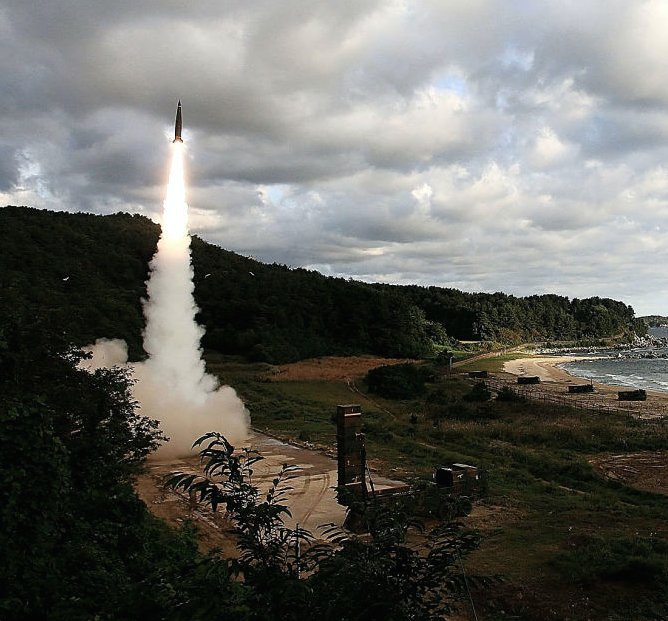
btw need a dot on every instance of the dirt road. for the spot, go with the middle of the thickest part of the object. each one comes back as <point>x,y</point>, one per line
<point>330,368</point>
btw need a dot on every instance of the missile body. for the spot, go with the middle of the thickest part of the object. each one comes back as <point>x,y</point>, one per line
<point>177,126</point>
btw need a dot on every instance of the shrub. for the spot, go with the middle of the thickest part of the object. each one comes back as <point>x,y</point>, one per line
<point>398,381</point>
<point>479,393</point>
<point>508,395</point>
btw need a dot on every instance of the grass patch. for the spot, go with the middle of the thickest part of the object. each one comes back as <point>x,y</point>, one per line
<point>493,364</point>
<point>562,518</point>
<point>635,560</point>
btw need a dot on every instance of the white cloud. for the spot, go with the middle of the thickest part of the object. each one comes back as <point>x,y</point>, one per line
<point>422,195</point>
<point>548,150</point>
<point>481,145</point>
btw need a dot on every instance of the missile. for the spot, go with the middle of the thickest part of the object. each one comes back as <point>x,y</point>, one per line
<point>177,126</point>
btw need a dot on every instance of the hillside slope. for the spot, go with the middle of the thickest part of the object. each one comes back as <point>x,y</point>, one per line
<point>85,274</point>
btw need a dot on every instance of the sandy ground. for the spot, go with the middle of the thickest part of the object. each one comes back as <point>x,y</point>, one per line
<point>176,508</point>
<point>330,368</point>
<point>312,502</point>
<point>544,367</point>
<point>555,380</point>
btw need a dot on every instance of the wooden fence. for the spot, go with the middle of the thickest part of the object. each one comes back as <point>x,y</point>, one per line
<point>584,401</point>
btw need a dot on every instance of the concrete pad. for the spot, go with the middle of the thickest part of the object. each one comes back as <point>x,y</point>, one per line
<point>312,502</point>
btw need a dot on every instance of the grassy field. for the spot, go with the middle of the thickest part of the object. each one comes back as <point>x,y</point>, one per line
<point>493,364</point>
<point>566,542</point>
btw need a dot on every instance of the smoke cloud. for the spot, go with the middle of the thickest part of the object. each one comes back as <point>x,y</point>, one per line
<point>172,385</point>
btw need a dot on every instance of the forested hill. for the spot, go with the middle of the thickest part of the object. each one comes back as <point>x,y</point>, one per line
<point>85,275</point>
<point>655,321</point>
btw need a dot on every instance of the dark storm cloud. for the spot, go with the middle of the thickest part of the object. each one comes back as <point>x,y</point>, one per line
<point>9,162</point>
<point>483,145</point>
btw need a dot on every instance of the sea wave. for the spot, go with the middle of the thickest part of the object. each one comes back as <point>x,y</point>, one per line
<point>648,373</point>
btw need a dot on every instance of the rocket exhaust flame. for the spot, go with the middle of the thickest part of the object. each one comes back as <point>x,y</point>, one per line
<point>172,336</point>
<point>175,208</point>
<point>172,384</point>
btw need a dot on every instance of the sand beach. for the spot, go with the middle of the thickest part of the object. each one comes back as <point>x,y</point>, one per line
<point>556,381</point>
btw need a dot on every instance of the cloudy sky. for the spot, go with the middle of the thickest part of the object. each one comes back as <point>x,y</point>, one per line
<point>509,145</point>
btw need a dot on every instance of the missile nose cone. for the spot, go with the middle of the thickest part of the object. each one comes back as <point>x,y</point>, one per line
<point>177,126</point>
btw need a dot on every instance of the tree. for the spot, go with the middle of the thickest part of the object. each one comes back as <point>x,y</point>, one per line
<point>76,542</point>
<point>398,381</point>
<point>88,273</point>
<point>479,393</point>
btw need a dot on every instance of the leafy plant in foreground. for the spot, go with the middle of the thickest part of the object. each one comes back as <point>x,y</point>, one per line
<point>395,571</point>
<point>264,539</point>
<point>76,542</point>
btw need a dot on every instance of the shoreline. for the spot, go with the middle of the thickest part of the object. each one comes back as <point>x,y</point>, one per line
<point>546,368</point>
<point>555,379</point>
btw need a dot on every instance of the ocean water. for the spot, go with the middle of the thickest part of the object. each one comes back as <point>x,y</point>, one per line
<point>647,373</point>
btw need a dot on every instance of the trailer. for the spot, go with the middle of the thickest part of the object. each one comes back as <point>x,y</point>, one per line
<point>528,379</point>
<point>632,395</point>
<point>581,388</point>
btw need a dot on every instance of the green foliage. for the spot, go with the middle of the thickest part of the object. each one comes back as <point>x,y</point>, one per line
<point>479,393</point>
<point>510,320</point>
<point>80,273</point>
<point>538,479</point>
<point>635,560</point>
<point>508,395</point>
<point>398,381</point>
<point>76,541</point>
<point>473,406</point>
<point>377,576</point>
<point>443,357</point>
<point>86,275</point>
<point>653,321</point>
<point>264,540</point>
<point>387,578</point>
<point>436,405</point>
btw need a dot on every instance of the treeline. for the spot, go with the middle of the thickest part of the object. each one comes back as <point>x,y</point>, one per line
<point>79,273</point>
<point>85,274</point>
<point>509,319</point>
<point>274,313</point>
<point>76,542</point>
<point>655,321</point>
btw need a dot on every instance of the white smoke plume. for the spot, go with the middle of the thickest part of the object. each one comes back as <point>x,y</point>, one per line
<point>172,384</point>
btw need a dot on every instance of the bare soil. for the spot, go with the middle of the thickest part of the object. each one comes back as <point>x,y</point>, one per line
<point>312,503</point>
<point>213,531</point>
<point>646,470</point>
<point>330,368</point>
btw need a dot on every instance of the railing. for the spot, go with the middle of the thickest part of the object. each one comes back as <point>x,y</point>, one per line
<point>582,401</point>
